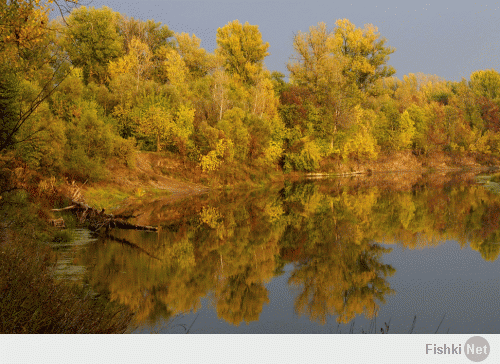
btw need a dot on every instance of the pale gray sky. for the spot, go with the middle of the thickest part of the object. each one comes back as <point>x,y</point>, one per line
<point>448,38</point>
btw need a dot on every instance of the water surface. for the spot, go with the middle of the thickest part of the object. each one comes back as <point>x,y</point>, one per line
<point>331,256</point>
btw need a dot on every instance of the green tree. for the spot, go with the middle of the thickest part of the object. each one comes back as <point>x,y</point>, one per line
<point>92,40</point>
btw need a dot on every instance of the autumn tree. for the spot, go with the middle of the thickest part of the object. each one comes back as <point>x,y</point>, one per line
<point>317,67</point>
<point>154,35</point>
<point>365,53</point>
<point>486,83</point>
<point>219,92</point>
<point>358,55</point>
<point>136,62</point>
<point>338,66</point>
<point>25,48</point>
<point>232,124</point>
<point>155,120</point>
<point>196,59</point>
<point>93,40</point>
<point>173,69</point>
<point>242,48</point>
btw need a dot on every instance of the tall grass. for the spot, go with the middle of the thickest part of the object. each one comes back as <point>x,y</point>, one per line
<point>33,301</point>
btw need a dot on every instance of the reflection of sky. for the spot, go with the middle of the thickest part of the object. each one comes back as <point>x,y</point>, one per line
<point>429,283</point>
<point>444,280</point>
<point>447,38</point>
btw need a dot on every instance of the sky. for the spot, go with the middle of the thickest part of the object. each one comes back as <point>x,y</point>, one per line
<point>450,39</point>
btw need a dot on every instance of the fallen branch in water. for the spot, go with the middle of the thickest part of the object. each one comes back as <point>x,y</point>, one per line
<point>99,219</point>
<point>96,219</point>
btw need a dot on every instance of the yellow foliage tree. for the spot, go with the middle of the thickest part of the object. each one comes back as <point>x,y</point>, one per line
<point>136,62</point>
<point>157,121</point>
<point>195,58</point>
<point>361,143</point>
<point>242,48</point>
<point>406,130</point>
<point>365,53</point>
<point>24,25</point>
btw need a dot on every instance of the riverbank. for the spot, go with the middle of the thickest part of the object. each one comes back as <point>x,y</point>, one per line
<point>406,161</point>
<point>158,176</point>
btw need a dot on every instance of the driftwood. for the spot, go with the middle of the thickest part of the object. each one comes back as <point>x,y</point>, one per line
<point>65,208</point>
<point>99,219</point>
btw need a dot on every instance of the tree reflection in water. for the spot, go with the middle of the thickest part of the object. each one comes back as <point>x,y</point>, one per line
<point>227,246</point>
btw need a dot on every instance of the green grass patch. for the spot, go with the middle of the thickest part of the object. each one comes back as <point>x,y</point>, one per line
<point>142,194</point>
<point>62,236</point>
<point>106,197</point>
<point>109,198</point>
<point>495,178</point>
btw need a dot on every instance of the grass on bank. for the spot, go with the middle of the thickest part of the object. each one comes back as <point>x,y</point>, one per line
<point>110,197</point>
<point>107,197</point>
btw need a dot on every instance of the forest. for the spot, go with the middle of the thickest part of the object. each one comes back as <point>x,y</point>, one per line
<point>95,84</point>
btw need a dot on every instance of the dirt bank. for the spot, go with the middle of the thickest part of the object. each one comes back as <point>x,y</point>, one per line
<point>146,173</point>
<point>406,161</point>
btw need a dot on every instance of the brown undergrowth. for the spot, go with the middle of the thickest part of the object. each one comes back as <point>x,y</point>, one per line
<point>32,300</point>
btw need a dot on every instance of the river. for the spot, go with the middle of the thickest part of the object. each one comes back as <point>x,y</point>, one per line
<point>392,253</point>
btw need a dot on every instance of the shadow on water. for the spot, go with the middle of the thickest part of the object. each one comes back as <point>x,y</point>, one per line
<point>316,249</point>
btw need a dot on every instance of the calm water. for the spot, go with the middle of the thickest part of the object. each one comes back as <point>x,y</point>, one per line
<point>331,256</point>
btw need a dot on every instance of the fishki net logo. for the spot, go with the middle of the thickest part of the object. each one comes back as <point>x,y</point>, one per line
<point>475,349</point>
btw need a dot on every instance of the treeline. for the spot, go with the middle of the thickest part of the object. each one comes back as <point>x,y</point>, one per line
<point>98,84</point>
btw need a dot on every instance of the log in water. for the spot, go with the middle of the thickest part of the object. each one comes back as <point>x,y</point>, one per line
<point>99,219</point>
